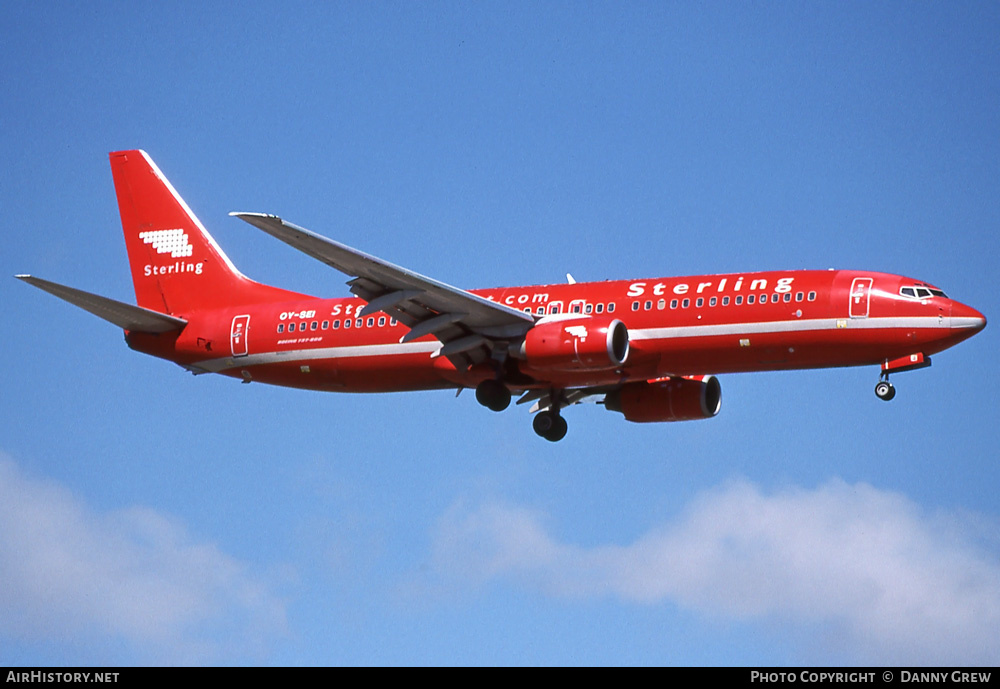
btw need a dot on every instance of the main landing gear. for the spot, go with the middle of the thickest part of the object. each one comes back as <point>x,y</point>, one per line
<point>493,394</point>
<point>550,425</point>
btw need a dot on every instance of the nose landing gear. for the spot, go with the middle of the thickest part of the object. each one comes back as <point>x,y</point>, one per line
<point>884,390</point>
<point>911,362</point>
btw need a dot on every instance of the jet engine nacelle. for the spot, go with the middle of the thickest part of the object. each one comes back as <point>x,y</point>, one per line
<point>576,344</point>
<point>669,399</point>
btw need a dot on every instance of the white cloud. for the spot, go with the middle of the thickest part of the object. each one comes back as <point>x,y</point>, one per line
<point>73,574</point>
<point>893,584</point>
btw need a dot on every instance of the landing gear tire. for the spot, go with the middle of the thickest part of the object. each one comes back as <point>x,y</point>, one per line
<point>550,426</point>
<point>493,394</point>
<point>885,391</point>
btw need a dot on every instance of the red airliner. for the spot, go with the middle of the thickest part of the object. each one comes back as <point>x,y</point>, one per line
<point>649,348</point>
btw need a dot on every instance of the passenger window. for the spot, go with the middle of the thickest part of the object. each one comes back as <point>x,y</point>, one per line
<point>787,297</point>
<point>347,322</point>
<point>553,309</point>
<point>611,307</point>
<point>635,306</point>
<point>381,321</point>
<point>812,296</point>
<point>662,304</point>
<point>600,308</point>
<point>673,303</point>
<point>314,325</point>
<point>291,327</point>
<point>750,298</point>
<point>799,296</point>
<point>686,303</point>
<point>392,322</point>
<point>358,323</point>
<point>774,298</point>
<point>326,324</point>
<point>336,324</point>
<point>371,321</point>
<point>739,299</point>
<point>712,301</point>
<point>588,308</point>
<point>725,301</point>
<point>648,305</point>
<point>281,327</point>
<point>700,302</point>
<point>540,310</point>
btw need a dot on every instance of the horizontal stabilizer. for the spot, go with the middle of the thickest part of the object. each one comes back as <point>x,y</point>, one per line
<point>123,315</point>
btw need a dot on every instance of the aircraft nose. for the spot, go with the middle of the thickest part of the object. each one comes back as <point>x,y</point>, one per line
<point>966,318</point>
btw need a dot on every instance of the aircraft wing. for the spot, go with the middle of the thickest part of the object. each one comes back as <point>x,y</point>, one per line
<point>468,325</point>
<point>125,316</point>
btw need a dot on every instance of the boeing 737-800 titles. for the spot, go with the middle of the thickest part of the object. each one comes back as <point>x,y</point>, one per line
<point>649,349</point>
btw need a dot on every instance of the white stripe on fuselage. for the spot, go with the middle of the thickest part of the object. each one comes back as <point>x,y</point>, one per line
<point>638,334</point>
<point>797,325</point>
<point>295,355</point>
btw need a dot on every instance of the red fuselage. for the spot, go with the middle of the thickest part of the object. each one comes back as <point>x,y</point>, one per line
<point>678,326</point>
<point>648,348</point>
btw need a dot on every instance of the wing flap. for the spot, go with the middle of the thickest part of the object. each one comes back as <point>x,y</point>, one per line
<point>123,315</point>
<point>547,399</point>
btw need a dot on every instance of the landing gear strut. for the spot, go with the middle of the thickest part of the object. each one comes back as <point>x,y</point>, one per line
<point>550,425</point>
<point>911,362</point>
<point>884,390</point>
<point>493,394</point>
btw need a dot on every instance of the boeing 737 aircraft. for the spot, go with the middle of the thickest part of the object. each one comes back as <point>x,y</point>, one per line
<point>648,348</point>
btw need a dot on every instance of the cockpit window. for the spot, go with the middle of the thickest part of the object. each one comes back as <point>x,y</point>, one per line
<point>921,292</point>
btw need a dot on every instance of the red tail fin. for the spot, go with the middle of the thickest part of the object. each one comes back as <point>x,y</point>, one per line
<point>176,265</point>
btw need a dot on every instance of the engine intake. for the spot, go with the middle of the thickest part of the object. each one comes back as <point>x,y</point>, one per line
<point>576,344</point>
<point>670,399</point>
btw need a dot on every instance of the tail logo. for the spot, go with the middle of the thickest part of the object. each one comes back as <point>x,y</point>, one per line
<point>173,242</point>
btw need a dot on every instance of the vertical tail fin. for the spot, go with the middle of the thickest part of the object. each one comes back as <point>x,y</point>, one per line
<point>176,265</point>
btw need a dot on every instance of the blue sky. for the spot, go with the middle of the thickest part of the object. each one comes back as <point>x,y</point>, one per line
<point>148,516</point>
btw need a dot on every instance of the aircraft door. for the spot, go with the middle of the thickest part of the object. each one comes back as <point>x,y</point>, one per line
<point>861,293</point>
<point>238,335</point>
